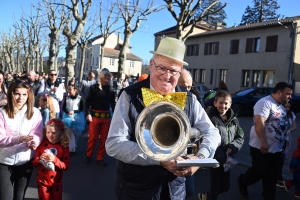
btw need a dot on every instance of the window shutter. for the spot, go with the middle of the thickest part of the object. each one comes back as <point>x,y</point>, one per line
<point>188,52</point>
<point>249,44</point>
<point>206,49</point>
<point>197,49</point>
<point>234,47</point>
<point>271,45</point>
<point>217,48</point>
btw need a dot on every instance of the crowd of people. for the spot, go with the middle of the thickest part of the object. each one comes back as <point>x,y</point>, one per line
<point>41,122</point>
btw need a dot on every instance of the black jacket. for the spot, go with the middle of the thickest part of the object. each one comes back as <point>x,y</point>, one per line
<point>146,182</point>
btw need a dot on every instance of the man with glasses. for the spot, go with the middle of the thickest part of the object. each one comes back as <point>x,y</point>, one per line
<point>52,86</point>
<point>137,175</point>
<point>266,141</point>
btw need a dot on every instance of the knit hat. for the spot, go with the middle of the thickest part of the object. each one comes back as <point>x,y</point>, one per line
<point>143,77</point>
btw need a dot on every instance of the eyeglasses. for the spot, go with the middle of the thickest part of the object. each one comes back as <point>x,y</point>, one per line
<point>162,70</point>
<point>189,87</point>
<point>53,74</point>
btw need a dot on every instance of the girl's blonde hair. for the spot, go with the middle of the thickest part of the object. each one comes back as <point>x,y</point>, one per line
<point>48,99</point>
<point>101,76</point>
<point>59,126</point>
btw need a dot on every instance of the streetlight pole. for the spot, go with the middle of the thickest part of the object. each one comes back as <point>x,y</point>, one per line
<point>293,33</point>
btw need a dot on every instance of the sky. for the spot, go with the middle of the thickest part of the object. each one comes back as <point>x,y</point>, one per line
<point>142,41</point>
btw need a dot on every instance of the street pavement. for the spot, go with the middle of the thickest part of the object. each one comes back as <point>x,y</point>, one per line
<point>92,182</point>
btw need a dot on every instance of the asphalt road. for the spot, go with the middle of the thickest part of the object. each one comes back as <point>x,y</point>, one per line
<point>92,182</point>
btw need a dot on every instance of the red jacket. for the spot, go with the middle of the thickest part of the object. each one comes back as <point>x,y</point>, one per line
<point>61,163</point>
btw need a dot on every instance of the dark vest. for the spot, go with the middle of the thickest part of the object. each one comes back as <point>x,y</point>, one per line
<point>147,182</point>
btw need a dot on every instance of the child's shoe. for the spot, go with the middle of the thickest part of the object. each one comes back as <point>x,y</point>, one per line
<point>280,184</point>
<point>287,185</point>
<point>297,194</point>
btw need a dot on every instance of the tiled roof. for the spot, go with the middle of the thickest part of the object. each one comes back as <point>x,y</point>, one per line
<point>173,29</point>
<point>95,38</point>
<point>285,21</point>
<point>113,53</point>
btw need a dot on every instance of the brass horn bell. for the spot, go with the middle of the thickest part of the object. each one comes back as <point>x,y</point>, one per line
<point>162,131</point>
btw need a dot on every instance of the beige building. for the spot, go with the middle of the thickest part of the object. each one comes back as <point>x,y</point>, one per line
<point>252,55</point>
<point>133,64</point>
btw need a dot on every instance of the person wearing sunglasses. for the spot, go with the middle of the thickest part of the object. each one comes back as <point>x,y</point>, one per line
<point>52,87</point>
<point>21,132</point>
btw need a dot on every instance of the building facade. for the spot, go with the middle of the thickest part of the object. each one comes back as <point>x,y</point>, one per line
<point>252,55</point>
<point>133,64</point>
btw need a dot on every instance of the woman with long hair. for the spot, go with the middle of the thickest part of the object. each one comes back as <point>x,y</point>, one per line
<point>100,99</point>
<point>46,107</point>
<point>21,132</point>
<point>3,90</point>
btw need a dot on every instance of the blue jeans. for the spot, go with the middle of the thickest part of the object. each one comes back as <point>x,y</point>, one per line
<point>14,180</point>
<point>189,186</point>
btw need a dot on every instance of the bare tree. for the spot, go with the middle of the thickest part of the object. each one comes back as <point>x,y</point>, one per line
<point>133,14</point>
<point>186,14</point>
<point>56,19</point>
<point>106,25</point>
<point>8,47</point>
<point>29,28</point>
<point>83,44</point>
<point>73,35</point>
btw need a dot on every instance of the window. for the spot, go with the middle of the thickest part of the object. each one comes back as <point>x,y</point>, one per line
<point>111,61</point>
<point>202,75</point>
<point>256,78</point>
<point>252,45</point>
<point>246,78</point>
<point>234,46</point>
<point>223,75</point>
<point>132,64</point>
<point>195,75</point>
<point>87,54</point>
<point>192,50</point>
<point>93,61</point>
<point>211,48</point>
<point>211,76</point>
<point>271,45</point>
<point>97,61</point>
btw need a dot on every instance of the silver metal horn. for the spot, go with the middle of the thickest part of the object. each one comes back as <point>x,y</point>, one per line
<point>162,131</point>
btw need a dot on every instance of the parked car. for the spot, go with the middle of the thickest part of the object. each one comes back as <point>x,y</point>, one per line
<point>205,91</point>
<point>243,101</point>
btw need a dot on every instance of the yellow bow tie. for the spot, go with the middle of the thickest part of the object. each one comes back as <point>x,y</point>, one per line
<point>150,96</point>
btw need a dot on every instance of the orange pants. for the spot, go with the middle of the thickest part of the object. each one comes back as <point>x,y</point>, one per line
<point>98,127</point>
<point>53,192</point>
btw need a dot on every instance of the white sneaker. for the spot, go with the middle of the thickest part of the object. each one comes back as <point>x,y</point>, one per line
<point>203,196</point>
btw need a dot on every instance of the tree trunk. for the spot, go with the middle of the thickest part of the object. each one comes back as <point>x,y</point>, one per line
<point>70,62</point>
<point>83,50</point>
<point>123,51</point>
<point>52,50</point>
<point>101,55</point>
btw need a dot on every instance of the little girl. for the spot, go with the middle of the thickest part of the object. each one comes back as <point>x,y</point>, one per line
<point>73,116</point>
<point>291,126</point>
<point>47,108</point>
<point>52,157</point>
